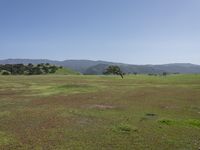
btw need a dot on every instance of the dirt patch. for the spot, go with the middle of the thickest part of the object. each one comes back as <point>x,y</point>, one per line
<point>101,106</point>
<point>169,107</point>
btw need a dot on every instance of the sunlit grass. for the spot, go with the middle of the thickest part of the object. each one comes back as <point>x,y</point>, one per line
<point>99,112</point>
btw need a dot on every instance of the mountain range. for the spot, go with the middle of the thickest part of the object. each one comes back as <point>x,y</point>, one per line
<point>97,67</point>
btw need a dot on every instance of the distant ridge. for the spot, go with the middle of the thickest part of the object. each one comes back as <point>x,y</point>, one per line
<point>97,67</point>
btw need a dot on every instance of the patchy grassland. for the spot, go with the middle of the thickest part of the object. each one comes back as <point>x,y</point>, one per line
<point>100,112</point>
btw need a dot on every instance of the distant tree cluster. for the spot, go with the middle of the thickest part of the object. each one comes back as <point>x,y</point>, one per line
<point>115,70</point>
<point>30,69</point>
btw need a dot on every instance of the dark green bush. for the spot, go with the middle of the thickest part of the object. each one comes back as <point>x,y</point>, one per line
<point>4,72</point>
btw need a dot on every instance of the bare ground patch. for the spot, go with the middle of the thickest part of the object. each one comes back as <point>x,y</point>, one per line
<point>102,106</point>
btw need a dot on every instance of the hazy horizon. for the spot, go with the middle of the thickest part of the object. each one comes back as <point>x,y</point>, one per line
<point>132,32</point>
<point>97,60</point>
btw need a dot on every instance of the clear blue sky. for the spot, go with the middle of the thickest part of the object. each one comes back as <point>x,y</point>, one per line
<point>129,31</point>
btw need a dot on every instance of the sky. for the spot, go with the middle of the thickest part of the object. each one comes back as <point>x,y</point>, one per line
<point>128,31</point>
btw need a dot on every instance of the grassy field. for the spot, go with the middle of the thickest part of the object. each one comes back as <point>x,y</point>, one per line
<point>58,112</point>
<point>66,71</point>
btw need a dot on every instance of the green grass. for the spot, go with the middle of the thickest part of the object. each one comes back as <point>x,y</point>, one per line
<point>66,71</point>
<point>59,112</point>
<point>61,89</point>
<point>124,128</point>
<point>6,139</point>
<point>188,122</point>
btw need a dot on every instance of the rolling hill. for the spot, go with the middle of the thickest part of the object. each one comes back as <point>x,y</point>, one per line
<point>97,67</point>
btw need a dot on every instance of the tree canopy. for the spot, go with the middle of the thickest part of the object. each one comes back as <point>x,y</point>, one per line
<point>30,69</point>
<point>115,70</point>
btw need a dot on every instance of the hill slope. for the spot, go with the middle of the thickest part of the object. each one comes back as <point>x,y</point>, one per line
<point>97,67</point>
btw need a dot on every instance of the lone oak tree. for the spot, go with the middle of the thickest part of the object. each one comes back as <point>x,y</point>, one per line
<point>115,70</point>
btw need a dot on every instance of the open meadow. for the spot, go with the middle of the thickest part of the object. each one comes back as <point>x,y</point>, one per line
<point>78,112</point>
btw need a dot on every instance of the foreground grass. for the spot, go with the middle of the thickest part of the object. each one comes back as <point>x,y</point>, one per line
<point>99,112</point>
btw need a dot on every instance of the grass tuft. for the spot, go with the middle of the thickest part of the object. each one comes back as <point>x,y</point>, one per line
<point>193,122</point>
<point>167,122</point>
<point>5,114</point>
<point>5,139</point>
<point>125,128</point>
<point>189,122</point>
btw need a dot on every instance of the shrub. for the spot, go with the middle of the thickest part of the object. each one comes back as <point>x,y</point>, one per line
<point>4,72</point>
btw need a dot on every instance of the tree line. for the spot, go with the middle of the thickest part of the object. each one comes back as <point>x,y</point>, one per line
<point>30,69</point>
